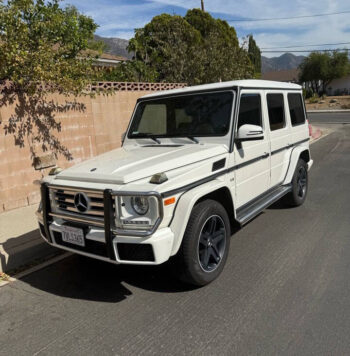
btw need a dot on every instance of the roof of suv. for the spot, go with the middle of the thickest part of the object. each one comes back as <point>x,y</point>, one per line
<point>248,84</point>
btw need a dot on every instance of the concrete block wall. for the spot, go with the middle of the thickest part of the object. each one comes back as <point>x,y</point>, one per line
<point>95,130</point>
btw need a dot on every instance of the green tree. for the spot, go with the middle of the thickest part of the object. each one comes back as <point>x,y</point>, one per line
<point>41,52</point>
<point>170,46</point>
<point>194,49</point>
<point>221,57</point>
<point>254,55</point>
<point>319,69</point>
<point>129,71</point>
<point>42,43</point>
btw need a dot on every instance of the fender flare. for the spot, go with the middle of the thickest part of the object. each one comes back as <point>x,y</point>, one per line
<point>294,157</point>
<point>184,208</point>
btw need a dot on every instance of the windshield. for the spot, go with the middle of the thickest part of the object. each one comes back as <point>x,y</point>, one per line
<point>183,116</point>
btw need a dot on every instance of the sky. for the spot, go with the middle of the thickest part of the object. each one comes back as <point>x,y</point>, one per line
<point>119,18</point>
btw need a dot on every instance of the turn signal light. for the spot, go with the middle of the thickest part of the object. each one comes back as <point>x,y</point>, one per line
<point>169,201</point>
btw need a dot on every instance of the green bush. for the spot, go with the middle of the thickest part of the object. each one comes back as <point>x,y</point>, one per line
<point>314,99</point>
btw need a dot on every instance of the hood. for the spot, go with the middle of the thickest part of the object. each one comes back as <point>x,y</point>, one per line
<point>125,165</point>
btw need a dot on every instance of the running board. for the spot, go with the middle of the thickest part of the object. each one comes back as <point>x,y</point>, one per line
<point>256,206</point>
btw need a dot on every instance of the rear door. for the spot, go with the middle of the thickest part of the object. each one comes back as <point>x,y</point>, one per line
<point>299,126</point>
<point>279,130</point>
<point>251,158</point>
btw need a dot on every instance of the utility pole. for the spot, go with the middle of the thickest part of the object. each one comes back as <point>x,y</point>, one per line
<point>202,3</point>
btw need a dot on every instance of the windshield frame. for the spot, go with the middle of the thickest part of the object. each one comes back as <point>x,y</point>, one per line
<point>231,90</point>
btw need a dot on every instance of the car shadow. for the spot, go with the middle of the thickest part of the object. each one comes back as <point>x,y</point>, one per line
<point>18,251</point>
<point>83,278</point>
<point>279,205</point>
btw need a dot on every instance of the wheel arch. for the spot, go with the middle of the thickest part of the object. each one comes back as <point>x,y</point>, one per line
<point>224,197</point>
<point>305,155</point>
<point>297,153</point>
<point>215,190</point>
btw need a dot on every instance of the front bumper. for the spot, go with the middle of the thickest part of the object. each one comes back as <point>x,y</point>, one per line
<point>104,243</point>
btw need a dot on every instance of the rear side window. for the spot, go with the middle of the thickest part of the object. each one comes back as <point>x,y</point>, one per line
<point>275,105</point>
<point>296,109</point>
<point>250,110</point>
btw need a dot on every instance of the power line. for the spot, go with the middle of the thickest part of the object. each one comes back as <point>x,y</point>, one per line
<point>311,50</point>
<point>288,18</point>
<point>309,45</point>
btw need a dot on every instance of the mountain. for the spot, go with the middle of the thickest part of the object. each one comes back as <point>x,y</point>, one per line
<point>283,62</point>
<point>116,46</point>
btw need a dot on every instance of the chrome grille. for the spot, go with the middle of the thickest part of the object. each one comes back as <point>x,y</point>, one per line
<point>63,199</point>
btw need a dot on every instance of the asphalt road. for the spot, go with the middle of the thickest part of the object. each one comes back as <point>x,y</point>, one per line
<point>329,118</point>
<point>285,289</point>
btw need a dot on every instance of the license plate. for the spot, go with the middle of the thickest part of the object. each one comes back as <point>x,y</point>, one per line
<point>73,235</point>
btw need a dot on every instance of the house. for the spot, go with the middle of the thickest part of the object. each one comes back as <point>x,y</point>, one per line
<point>108,60</point>
<point>103,60</point>
<point>288,75</point>
<point>340,86</point>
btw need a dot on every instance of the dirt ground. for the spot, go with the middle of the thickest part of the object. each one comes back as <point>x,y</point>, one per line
<point>329,103</point>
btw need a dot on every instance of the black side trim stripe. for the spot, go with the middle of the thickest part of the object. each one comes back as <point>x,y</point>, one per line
<point>229,170</point>
<point>251,161</point>
<point>194,184</point>
<point>289,146</point>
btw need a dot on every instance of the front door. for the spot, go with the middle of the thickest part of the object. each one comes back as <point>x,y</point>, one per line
<point>251,158</point>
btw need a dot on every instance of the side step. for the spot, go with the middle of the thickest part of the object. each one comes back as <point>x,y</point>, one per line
<point>256,206</point>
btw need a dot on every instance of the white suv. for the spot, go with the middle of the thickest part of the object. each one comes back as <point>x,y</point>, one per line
<point>193,163</point>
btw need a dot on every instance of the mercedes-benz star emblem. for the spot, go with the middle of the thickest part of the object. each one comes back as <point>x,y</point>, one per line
<point>81,202</point>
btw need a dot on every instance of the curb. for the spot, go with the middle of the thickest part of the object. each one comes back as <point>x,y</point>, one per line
<point>35,268</point>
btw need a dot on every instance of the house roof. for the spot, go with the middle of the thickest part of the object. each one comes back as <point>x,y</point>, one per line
<point>288,75</point>
<point>105,57</point>
<point>112,57</point>
<point>247,84</point>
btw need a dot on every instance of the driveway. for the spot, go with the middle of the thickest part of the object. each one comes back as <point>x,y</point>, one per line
<point>285,289</point>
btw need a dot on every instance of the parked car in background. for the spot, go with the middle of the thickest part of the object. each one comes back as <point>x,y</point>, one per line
<point>193,163</point>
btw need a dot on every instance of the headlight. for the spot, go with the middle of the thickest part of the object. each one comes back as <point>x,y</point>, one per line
<point>140,205</point>
<point>137,212</point>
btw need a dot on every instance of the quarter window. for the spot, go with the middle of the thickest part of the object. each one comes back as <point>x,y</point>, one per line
<point>296,109</point>
<point>275,107</point>
<point>249,110</point>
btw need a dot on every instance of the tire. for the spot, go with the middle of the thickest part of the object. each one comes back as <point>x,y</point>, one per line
<point>206,239</point>
<point>299,185</point>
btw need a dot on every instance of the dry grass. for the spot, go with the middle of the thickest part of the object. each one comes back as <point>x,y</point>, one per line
<point>328,103</point>
<point>4,277</point>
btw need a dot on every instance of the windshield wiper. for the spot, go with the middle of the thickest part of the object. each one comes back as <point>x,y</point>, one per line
<point>147,135</point>
<point>193,139</point>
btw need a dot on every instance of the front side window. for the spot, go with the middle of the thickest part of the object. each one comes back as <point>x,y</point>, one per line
<point>181,116</point>
<point>250,110</point>
<point>275,105</point>
<point>296,109</point>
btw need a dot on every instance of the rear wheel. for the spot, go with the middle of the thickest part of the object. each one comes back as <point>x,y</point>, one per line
<point>205,244</point>
<point>299,185</point>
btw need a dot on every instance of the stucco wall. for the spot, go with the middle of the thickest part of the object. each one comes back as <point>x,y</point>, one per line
<point>94,130</point>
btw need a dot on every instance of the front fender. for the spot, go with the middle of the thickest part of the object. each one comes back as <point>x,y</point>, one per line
<point>184,208</point>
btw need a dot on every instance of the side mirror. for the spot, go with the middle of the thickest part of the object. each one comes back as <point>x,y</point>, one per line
<point>250,133</point>
<point>123,137</point>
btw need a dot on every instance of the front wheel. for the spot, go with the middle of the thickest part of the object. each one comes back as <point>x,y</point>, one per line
<point>205,244</point>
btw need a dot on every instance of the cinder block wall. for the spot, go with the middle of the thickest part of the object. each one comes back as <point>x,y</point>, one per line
<point>96,129</point>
